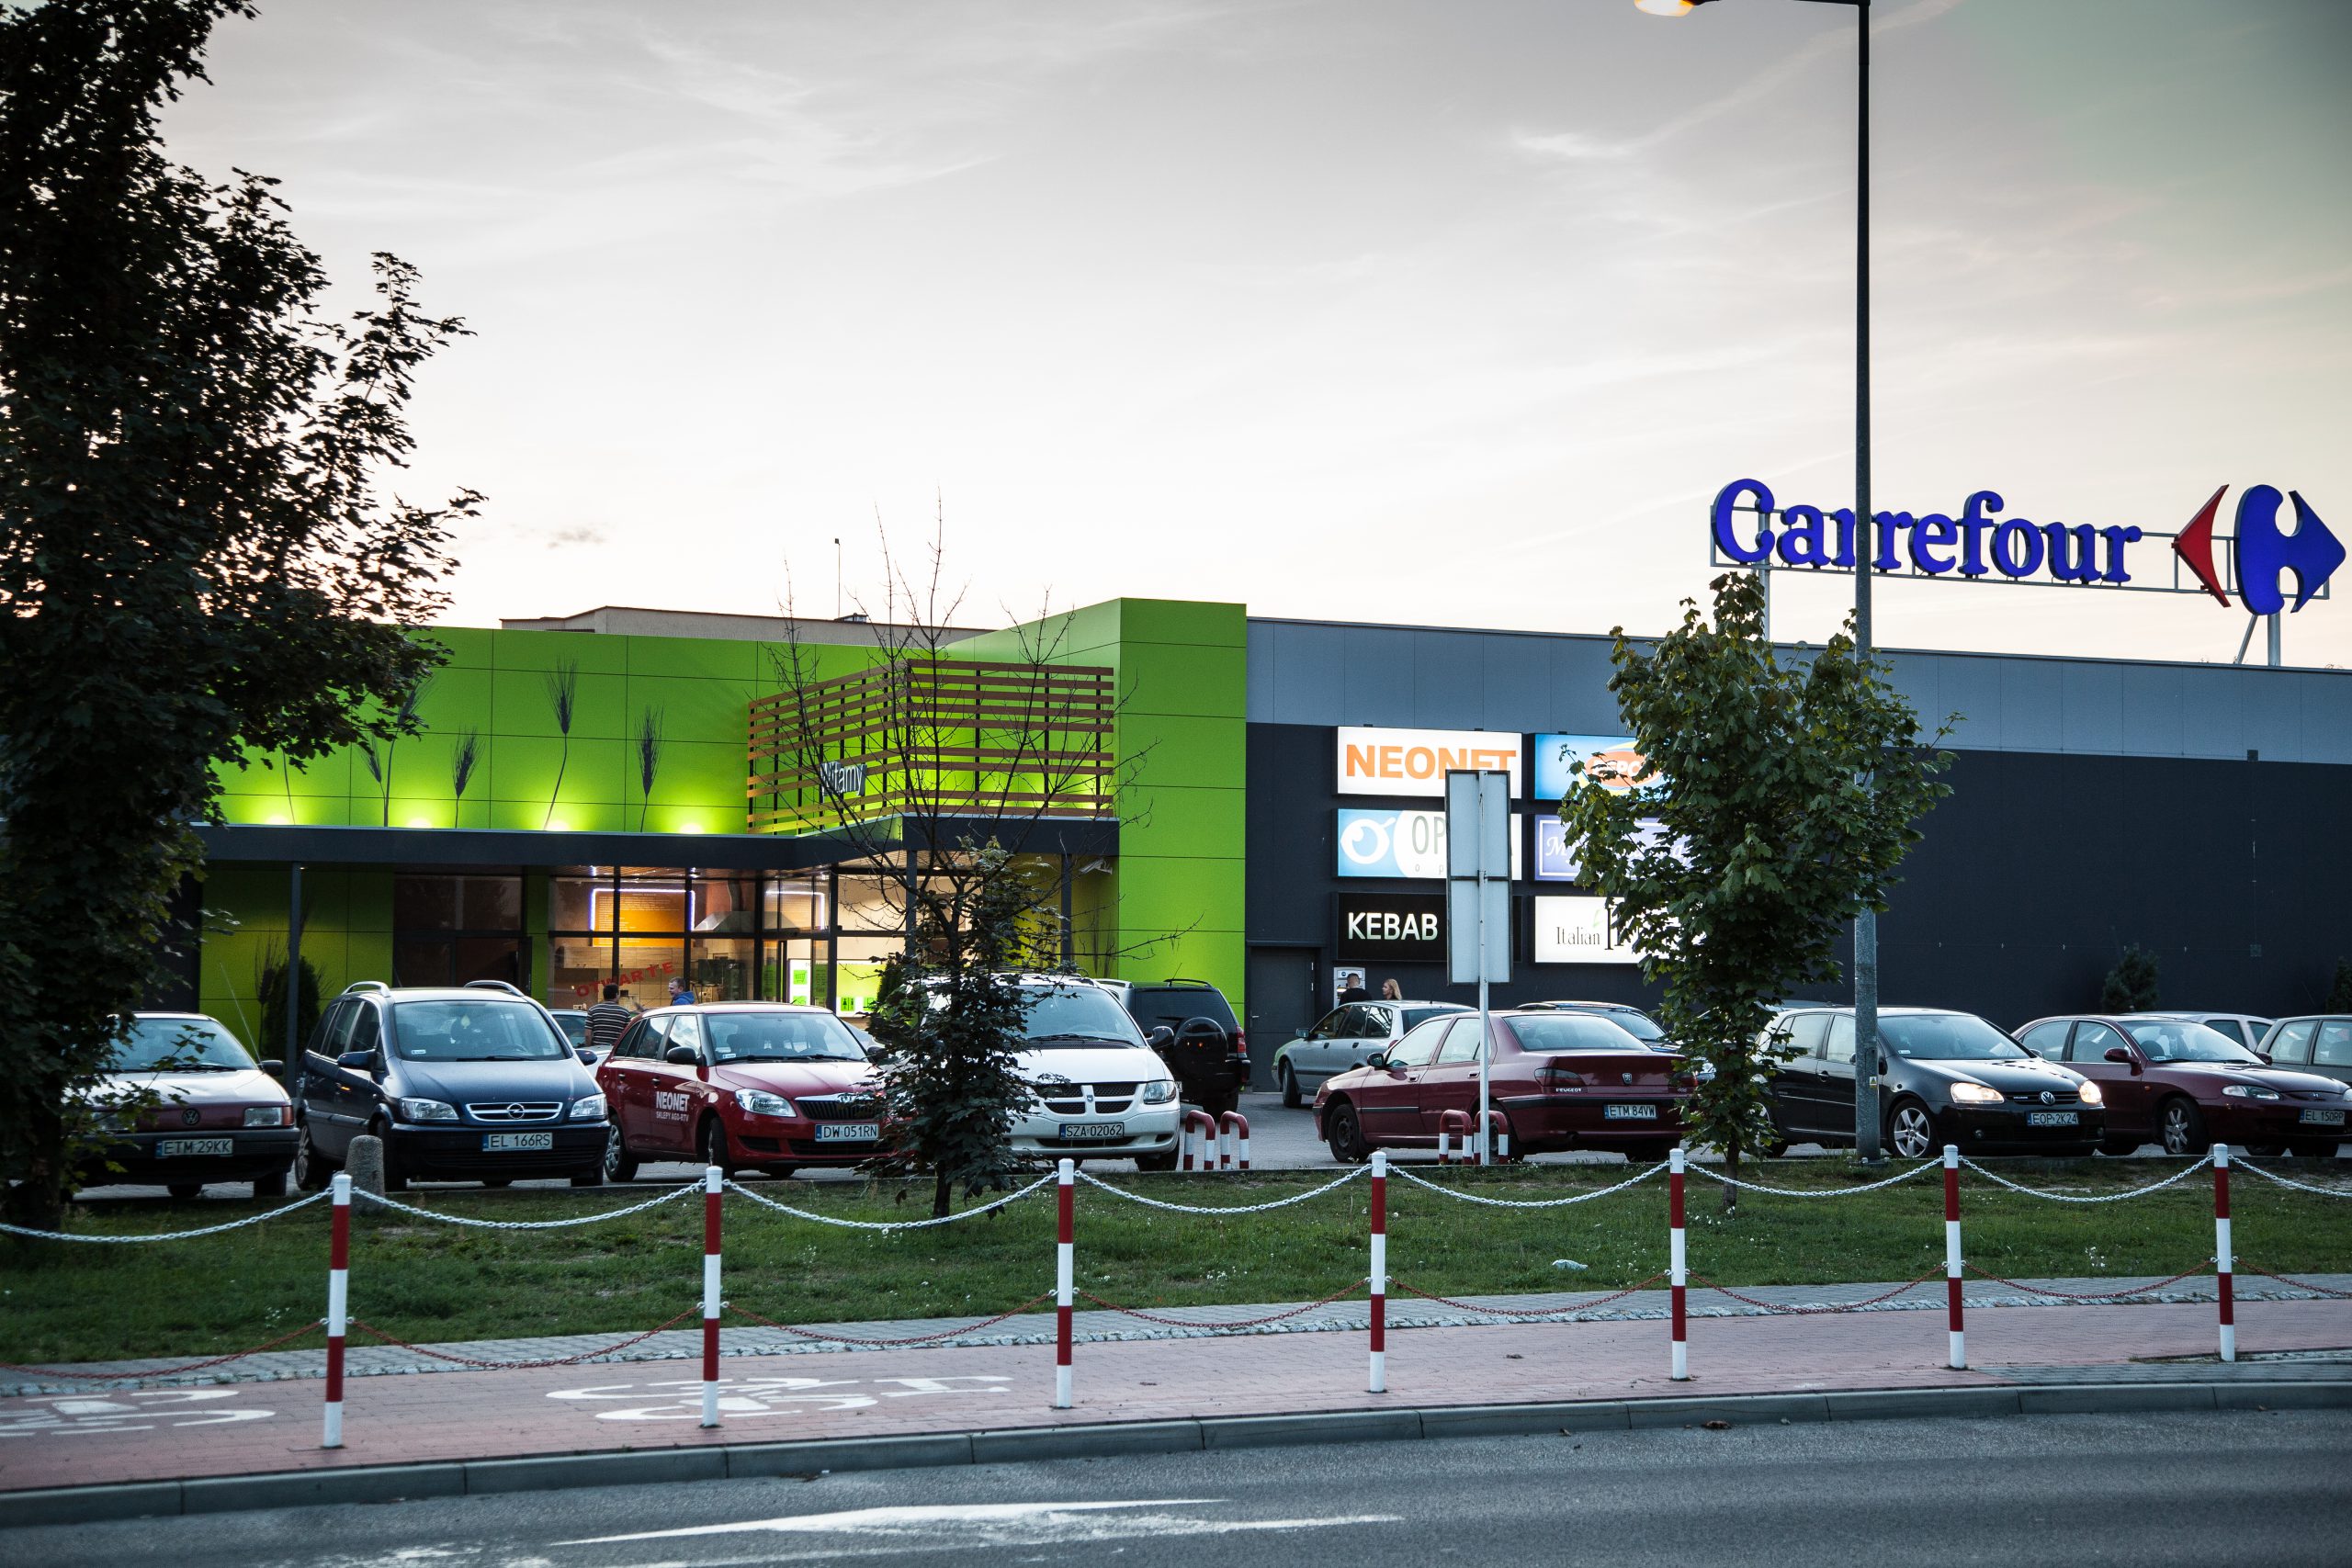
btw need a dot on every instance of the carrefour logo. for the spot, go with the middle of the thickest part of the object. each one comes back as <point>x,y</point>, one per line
<point>2263,550</point>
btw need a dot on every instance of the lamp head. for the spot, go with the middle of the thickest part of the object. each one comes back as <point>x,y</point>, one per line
<point>1668,8</point>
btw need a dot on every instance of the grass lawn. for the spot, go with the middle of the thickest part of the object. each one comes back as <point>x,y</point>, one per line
<point>62,1302</point>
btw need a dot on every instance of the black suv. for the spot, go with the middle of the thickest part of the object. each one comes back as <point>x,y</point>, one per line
<point>1191,1026</point>
<point>467,1083</point>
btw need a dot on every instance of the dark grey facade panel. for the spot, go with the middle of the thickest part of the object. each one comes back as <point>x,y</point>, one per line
<point>1340,674</point>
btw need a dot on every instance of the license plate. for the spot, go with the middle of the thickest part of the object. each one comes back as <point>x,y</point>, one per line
<point>173,1148</point>
<point>1629,1113</point>
<point>2321,1118</point>
<point>2052,1119</point>
<point>848,1132</point>
<point>1094,1129</point>
<point>512,1143</point>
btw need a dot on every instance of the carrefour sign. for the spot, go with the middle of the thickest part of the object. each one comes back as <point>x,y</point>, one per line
<point>1415,761</point>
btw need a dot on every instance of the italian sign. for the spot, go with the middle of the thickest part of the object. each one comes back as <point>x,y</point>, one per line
<point>1415,761</point>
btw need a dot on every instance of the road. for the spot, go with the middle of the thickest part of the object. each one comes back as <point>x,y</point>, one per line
<point>2074,1490</point>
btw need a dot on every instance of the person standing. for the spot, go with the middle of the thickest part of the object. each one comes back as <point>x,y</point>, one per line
<point>1351,988</point>
<point>1390,992</point>
<point>606,1020</point>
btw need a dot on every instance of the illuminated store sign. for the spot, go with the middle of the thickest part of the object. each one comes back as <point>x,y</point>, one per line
<point>1577,930</point>
<point>1390,928</point>
<point>1407,843</point>
<point>1415,761</point>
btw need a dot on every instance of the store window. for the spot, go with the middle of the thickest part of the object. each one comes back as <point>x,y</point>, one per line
<point>451,929</point>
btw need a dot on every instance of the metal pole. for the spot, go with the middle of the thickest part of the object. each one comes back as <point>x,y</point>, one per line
<point>1485,1049</point>
<point>2278,656</point>
<point>294,979</point>
<point>1866,1126</point>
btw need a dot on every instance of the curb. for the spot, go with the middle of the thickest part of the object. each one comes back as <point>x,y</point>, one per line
<point>392,1483</point>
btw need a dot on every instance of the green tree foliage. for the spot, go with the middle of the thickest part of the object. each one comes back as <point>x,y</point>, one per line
<point>2339,995</point>
<point>1787,797</point>
<point>2130,986</point>
<point>949,1021</point>
<point>196,563</point>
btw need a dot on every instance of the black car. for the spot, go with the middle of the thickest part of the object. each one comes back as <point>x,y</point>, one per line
<point>1629,1018</point>
<point>473,1083</point>
<point>1191,1026</point>
<point>1944,1077</point>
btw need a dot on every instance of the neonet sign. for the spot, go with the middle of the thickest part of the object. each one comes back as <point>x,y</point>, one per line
<point>1415,761</point>
<point>1973,543</point>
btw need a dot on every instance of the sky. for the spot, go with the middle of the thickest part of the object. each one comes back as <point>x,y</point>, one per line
<point>1447,314</point>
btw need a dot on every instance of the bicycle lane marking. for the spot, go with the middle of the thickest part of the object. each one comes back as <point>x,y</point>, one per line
<point>680,1399</point>
<point>131,1410</point>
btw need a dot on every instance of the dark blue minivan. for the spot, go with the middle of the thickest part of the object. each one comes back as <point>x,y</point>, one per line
<point>475,1083</point>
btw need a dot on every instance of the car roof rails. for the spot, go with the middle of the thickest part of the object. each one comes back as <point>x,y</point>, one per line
<point>366,985</point>
<point>511,990</point>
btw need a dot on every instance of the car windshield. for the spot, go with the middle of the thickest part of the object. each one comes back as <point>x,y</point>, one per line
<point>1071,1017</point>
<point>2176,1039</point>
<point>780,1037</point>
<point>1570,1032</point>
<point>469,1031</point>
<point>1948,1037</point>
<point>178,1044</point>
<point>1416,1017</point>
<point>1169,1006</point>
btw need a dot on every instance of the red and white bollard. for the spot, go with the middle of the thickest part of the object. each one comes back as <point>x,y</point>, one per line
<point>1952,1254</point>
<point>713,1180</point>
<point>1065,1275</point>
<point>1678,1264</point>
<point>1202,1124</point>
<point>1497,1146</point>
<point>338,1306</point>
<point>2222,1262</point>
<point>1232,1130</point>
<point>1376,1381</point>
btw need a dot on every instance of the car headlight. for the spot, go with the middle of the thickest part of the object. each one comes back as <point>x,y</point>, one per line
<point>1975,1094</point>
<point>589,1110</point>
<point>1160,1092</point>
<point>2248,1091</point>
<point>760,1103</point>
<point>427,1111</point>
<point>2091,1095</point>
<point>268,1115</point>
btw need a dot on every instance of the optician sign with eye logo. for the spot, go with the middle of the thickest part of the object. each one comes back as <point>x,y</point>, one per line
<point>1407,843</point>
<point>1578,931</point>
<point>1555,859</point>
<point>1415,761</point>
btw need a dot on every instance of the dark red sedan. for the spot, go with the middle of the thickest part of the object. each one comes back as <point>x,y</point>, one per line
<point>1562,1079</point>
<point>765,1084</point>
<point>2176,1082</point>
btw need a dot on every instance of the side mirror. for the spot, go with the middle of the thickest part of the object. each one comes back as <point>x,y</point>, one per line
<point>356,1061</point>
<point>1377,1059</point>
<point>683,1056</point>
<point>587,1057</point>
<point>273,1067</point>
<point>2120,1055</point>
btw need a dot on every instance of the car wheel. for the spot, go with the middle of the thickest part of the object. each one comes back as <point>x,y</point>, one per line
<point>1292,1098</point>
<point>1157,1162</point>
<point>183,1190</point>
<point>2181,1127</point>
<point>1910,1131</point>
<point>711,1143</point>
<point>270,1186</point>
<point>1339,1129</point>
<point>310,1169</point>
<point>2266,1151</point>
<point>619,1164</point>
<point>498,1181</point>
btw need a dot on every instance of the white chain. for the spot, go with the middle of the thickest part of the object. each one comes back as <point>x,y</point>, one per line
<point>1528,1202</point>
<point>2241,1163</point>
<point>1242,1209</point>
<point>1814,1192</point>
<point>167,1235</point>
<point>670,1196</point>
<point>987,1208</point>
<point>2181,1175</point>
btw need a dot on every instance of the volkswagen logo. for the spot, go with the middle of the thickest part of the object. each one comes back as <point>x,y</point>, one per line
<point>2048,1098</point>
<point>513,1113</point>
<point>190,1117</point>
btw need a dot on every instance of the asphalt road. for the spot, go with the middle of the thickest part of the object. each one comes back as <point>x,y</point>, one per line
<point>2072,1490</point>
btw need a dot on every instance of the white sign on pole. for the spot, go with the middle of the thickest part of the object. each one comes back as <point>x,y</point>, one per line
<point>1478,889</point>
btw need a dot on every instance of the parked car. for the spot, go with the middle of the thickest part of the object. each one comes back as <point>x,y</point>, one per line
<point>2244,1028</point>
<point>1944,1077</point>
<point>1346,1038</point>
<point>1204,1045</point>
<point>574,1021</point>
<point>466,1083</point>
<point>1562,1081</point>
<point>2180,1083</point>
<point>2317,1044</point>
<point>215,1114</point>
<point>771,1085</point>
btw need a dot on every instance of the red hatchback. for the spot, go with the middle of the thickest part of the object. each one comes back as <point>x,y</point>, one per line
<point>1562,1079</point>
<point>2175,1082</point>
<point>738,1085</point>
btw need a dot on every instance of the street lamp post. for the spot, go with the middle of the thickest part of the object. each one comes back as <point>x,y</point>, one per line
<point>1866,1113</point>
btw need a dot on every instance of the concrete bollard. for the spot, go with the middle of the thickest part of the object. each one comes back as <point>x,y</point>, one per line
<point>365,1166</point>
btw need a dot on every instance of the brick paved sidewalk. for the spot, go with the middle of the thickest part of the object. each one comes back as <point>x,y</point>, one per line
<point>255,1427</point>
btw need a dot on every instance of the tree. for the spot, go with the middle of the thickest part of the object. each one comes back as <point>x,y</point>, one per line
<point>2130,986</point>
<point>2339,995</point>
<point>196,563</point>
<point>949,1021</point>
<point>1784,799</point>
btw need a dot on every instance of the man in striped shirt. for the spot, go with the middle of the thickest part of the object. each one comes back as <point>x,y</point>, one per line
<point>606,1020</point>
